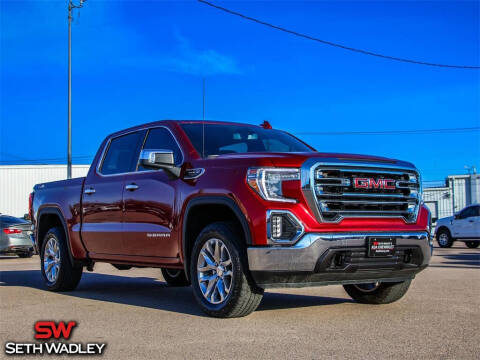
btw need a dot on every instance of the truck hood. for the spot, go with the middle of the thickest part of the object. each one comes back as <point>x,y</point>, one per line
<point>297,159</point>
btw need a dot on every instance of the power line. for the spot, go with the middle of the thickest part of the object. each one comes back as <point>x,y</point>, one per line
<point>325,42</point>
<point>391,132</point>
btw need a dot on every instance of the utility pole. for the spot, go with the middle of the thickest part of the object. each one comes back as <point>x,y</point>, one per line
<point>203,122</point>
<point>71,6</point>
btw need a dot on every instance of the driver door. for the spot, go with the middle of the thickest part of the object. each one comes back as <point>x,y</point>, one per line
<point>149,200</point>
<point>464,224</point>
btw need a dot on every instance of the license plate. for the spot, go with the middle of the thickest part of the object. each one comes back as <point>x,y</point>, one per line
<point>381,247</point>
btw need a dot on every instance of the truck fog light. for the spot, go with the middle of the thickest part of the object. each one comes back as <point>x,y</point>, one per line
<point>283,227</point>
<point>276,226</point>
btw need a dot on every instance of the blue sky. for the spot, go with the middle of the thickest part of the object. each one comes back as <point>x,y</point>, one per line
<point>140,61</point>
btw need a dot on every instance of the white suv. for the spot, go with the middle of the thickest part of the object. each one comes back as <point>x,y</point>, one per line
<point>463,226</point>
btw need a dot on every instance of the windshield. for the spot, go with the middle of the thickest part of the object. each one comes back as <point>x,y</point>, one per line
<point>229,139</point>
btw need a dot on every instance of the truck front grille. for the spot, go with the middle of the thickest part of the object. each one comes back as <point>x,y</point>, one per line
<point>365,191</point>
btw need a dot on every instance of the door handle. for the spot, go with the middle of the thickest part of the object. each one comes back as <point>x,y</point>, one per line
<point>131,187</point>
<point>89,191</point>
<point>470,220</point>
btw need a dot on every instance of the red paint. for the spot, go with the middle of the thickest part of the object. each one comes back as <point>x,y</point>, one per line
<point>371,183</point>
<point>49,329</point>
<point>116,225</point>
<point>9,231</point>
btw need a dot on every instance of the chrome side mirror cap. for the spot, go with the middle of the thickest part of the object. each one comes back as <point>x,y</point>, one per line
<point>159,159</point>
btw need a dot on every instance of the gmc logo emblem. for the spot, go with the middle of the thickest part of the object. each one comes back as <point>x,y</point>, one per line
<point>371,183</point>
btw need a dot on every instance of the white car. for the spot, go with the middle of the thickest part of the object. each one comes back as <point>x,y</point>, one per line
<point>463,226</point>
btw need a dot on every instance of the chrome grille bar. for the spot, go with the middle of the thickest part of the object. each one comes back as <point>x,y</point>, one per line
<point>357,190</point>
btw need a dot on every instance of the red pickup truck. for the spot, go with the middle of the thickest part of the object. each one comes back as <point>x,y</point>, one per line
<point>233,209</point>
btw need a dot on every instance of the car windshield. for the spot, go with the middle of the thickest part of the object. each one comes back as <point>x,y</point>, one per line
<point>223,139</point>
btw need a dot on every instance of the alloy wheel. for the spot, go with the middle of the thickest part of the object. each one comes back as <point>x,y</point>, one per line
<point>51,259</point>
<point>443,239</point>
<point>215,271</point>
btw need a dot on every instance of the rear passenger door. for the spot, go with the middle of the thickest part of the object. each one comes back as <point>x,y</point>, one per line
<point>149,200</point>
<point>102,203</point>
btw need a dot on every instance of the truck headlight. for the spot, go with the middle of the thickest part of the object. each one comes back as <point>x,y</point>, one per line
<point>267,182</point>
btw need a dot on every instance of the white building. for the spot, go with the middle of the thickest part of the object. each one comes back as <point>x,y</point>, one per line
<point>458,192</point>
<point>17,181</point>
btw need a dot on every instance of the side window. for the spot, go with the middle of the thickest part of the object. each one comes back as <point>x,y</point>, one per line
<point>162,139</point>
<point>466,213</point>
<point>476,211</point>
<point>121,154</point>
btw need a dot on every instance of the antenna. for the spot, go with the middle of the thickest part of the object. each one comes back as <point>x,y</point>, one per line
<point>203,123</point>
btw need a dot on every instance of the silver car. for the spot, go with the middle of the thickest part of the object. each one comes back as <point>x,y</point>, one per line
<point>16,236</point>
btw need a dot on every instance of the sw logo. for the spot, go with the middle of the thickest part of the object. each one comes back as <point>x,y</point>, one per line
<point>51,330</point>
<point>48,329</point>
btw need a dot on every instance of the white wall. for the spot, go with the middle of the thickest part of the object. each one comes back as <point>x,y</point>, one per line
<point>17,181</point>
<point>462,190</point>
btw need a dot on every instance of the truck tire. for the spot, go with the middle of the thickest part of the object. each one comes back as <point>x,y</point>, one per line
<point>219,273</point>
<point>472,244</point>
<point>377,293</point>
<point>444,239</point>
<point>57,269</point>
<point>175,277</point>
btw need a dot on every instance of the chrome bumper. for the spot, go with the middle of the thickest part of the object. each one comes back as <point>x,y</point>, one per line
<point>304,255</point>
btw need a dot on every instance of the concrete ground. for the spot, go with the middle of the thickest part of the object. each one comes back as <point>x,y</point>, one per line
<point>140,318</point>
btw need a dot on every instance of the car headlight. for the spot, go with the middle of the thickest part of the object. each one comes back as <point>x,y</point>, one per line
<point>268,182</point>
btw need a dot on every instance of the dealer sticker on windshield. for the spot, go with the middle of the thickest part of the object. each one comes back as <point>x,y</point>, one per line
<point>381,247</point>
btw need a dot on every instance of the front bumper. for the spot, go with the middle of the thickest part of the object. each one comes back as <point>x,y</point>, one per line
<point>338,258</point>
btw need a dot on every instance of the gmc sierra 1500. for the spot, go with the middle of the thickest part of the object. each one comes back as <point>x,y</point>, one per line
<point>233,209</point>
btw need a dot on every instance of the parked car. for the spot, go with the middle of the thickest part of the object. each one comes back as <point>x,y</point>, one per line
<point>16,236</point>
<point>463,226</point>
<point>233,209</point>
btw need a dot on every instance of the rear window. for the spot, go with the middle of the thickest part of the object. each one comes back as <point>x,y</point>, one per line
<point>121,155</point>
<point>10,220</point>
<point>229,138</point>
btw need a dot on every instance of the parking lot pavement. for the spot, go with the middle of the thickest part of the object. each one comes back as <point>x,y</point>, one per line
<point>140,318</point>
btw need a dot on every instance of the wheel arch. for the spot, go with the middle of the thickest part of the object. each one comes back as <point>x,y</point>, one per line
<point>443,228</point>
<point>47,218</point>
<point>223,207</point>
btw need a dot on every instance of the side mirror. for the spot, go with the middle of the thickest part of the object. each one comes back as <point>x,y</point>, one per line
<point>456,216</point>
<point>159,159</point>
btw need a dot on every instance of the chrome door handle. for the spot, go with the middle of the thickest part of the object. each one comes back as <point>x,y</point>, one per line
<point>131,187</point>
<point>89,191</point>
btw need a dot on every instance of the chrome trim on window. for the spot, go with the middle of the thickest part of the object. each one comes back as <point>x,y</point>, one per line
<point>147,129</point>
